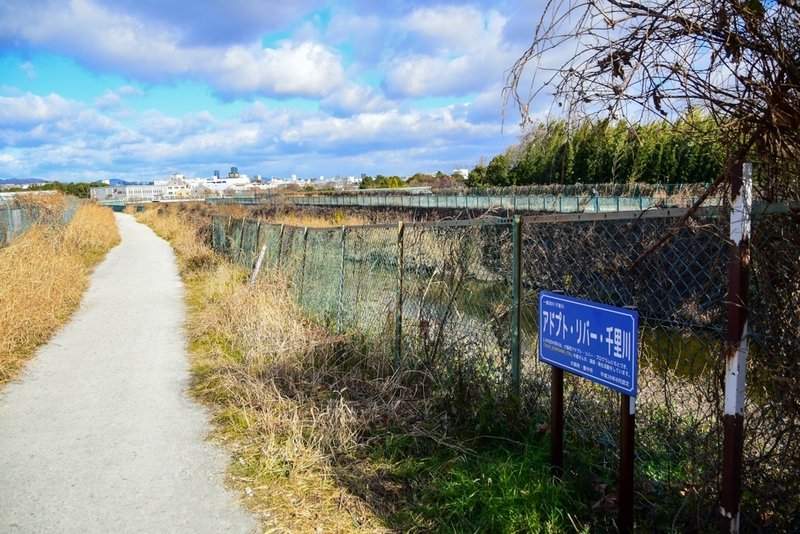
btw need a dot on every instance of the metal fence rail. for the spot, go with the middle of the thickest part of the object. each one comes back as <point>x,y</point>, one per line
<point>586,203</point>
<point>441,295</point>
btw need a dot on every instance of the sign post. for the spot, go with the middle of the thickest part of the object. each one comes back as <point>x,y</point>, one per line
<point>557,421</point>
<point>601,344</point>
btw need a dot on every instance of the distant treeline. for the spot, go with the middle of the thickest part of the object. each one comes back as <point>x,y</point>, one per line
<point>79,189</point>
<point>606,152</point>
<point>439,180</point>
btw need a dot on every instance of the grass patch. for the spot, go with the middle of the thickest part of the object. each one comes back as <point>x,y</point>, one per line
<point>491,485</point>
<point>301,219</point>
<point>45,272</point>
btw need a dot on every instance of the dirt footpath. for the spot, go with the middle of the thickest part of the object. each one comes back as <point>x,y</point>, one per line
<point>99,435</point>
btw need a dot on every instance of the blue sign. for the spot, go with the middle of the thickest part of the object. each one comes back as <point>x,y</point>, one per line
<point>592,340</point>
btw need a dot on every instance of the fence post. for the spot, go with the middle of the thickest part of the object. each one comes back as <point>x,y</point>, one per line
<point>228,238</point>
<point>340,307</point>
<point>240,249</point>
<point>398,328</point>
<point>516,304</point>
<point>556,421</point>
<point>260,259</point>
<point>214,226</point>
<point>280,247</point>
<point>626,458</point>
<point>741,181</point>
<point>303,265</point>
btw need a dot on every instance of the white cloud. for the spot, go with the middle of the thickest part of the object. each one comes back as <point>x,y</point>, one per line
<point>152,51</point>
<point>466,56</point>
<point>30,109</point>
<point>130,90</point>
<point>451,29</point>
<point>109,99</point>
<point>384,128</point>
<point>354,98</point>
<point>304,69</point>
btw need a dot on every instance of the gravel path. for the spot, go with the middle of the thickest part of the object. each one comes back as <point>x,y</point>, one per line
<point>99,434</point>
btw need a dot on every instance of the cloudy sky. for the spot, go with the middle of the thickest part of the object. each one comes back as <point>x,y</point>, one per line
<point>138,89</point>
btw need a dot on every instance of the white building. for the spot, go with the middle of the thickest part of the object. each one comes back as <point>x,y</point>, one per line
<point>464,173</point>
<point>140,193</point>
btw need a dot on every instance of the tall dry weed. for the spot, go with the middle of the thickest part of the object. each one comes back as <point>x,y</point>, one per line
<point>262,365</point>
<point>301,219</point>
<point>45,273</point>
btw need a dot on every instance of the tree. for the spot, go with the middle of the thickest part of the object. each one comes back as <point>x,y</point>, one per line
<point>477,176</point>
<point>497,171</point>
<point>736,60</point>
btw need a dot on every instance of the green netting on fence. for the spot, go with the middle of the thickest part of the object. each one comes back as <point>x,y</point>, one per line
<point>17,216</point>
<point>369,284</point>
<point>322,274</point>
<point>219,232</point>
<point>270,235</point>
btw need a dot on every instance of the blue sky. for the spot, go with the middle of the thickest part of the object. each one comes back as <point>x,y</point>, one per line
<point>138,89</point>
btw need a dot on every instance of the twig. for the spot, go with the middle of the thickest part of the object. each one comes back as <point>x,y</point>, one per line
<point>672,231</point>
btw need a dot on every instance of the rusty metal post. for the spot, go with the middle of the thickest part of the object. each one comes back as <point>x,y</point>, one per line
<point>557,421</point>
<point>398,319</point>
<point>626,456</point>
<point>741,181</point>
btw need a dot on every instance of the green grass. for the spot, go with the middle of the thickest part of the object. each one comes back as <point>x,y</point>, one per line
<point>494,486</point>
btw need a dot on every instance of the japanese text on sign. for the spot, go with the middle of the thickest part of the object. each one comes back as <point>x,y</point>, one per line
<point>590,339</point>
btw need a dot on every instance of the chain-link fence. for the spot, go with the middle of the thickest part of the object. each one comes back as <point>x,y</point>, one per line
<point>439,296</point>
<point>19,213</point>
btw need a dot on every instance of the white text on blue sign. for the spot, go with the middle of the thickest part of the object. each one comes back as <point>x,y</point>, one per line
<point>590,339</point>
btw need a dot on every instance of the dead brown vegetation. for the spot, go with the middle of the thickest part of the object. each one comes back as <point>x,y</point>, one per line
<point>45,273</point>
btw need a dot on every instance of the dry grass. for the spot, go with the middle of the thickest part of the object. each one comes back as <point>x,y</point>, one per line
<point>253,356</point>
<point>289,398</point>
<point>45,273</point>
<point>298,218</point>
